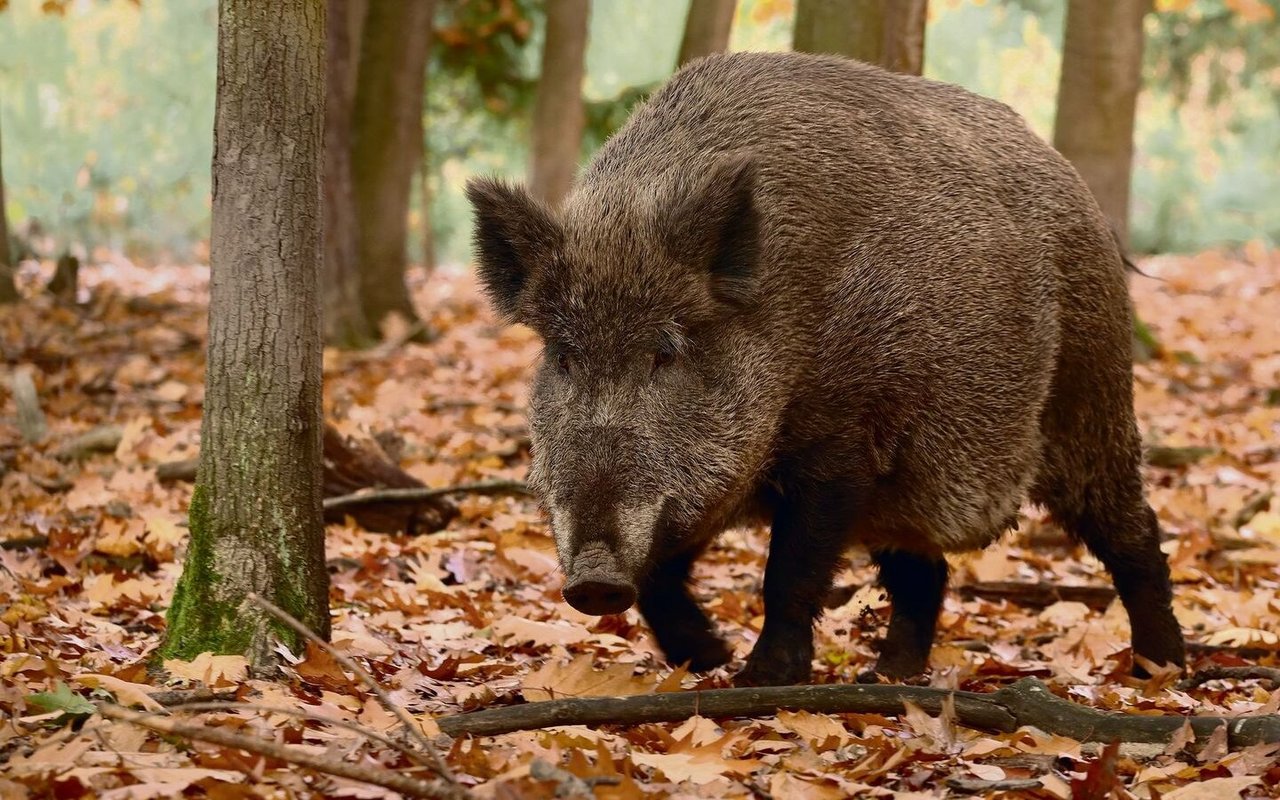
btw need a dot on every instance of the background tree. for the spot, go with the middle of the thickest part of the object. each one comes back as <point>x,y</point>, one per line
<point>558,115</point>
<point>1098,96</point>
<point>387,143</point>
<point>889,33</point>
<point>8,290</point>
<point>255,515</point>
<point>345,324</point>
<point>706,29</point>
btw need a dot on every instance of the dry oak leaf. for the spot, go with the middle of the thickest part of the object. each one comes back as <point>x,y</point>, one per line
<point>1243,637</point>
<point>1213,789</point>
<point>209,669</point>
<point>821,731</point>
<point>700,765</point>
<point>518,630</point>
<point>125,692</point>
<point>785,786</point>
<point>578,678</point>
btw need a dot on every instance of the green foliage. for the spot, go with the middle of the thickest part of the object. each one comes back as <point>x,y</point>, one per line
<point>1209,38</point>
<point>108,113</point>
<point>62,699</point>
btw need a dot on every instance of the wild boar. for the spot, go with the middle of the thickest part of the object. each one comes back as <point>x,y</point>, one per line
<point>869,308</point>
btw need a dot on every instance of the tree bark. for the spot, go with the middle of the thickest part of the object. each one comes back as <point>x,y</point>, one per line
<point>853,28</point>
<point>8,288</point>
<point>1098,96</point>
<point>255,517</point>
<point>345,324</point>
<point>904,24</point>
<point>706,29</point>
<point>387,143</point>
<point>558,114</point>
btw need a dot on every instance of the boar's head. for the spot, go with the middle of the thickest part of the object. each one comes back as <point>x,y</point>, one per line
<point>644,414</point>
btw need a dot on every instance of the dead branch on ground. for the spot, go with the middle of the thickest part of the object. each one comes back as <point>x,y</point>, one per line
<point>1026,702</point>
<point>365,773</point>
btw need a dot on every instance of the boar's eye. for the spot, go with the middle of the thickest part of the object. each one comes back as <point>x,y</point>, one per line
<point>562,361</point>
<point>663,357</point>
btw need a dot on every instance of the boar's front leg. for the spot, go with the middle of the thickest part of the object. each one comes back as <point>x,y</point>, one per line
<point>915,584</point>
<point>806,544</point>
<point>682,629</point>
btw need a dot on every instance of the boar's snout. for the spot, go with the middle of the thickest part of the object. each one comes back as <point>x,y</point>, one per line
<point>596,585</point>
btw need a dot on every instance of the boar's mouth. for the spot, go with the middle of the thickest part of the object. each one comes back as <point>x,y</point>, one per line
<point>597,584</point>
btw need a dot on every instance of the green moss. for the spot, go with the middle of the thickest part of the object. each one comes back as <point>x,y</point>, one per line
<point>201,619</point>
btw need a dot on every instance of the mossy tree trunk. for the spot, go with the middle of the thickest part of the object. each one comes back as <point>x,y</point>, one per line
<point>8,289</point>
<point>558,114</point>
<point>387,144</point>
<point>706,29</point>
<point>889,33</point>
<point>255,518</point>
<point>1098,98</point>
<point>345,324</point>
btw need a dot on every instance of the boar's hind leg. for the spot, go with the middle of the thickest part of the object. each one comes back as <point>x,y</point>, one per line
<point>682,629</point>
<point>1121,530</point>
<point>806,546</point>
<point>915,584</point>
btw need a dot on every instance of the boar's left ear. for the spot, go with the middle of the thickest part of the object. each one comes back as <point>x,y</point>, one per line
<point>716,227</point>
<point>514,235</point>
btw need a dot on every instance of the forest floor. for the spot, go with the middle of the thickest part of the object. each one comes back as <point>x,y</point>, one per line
<point>471,617</point>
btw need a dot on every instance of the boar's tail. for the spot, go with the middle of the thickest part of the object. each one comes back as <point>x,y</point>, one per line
<point>1124,257</point>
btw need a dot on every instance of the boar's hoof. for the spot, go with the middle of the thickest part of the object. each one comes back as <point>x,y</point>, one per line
<point>774,672</point>
<point>600,595</point>
<point>702,653</point>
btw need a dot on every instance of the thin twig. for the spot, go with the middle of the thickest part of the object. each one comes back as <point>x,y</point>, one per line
<point>413,755</point>
<point>368,497</point>
<point>365,773</point>
<point>410,727</point>
<point>1271,674</point>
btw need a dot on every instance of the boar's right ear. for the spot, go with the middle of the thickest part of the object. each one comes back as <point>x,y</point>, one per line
<point>514,234</point>
<point>715,226</point>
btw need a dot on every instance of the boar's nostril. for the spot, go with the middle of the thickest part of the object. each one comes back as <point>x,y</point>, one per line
<point>600,596</point>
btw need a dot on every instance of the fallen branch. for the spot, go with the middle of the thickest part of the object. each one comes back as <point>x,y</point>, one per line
<point>102,439</point>
<point>171,698</point>
<point>415,495</point>
<point>1260,502</point>
<point>1038,594</point>
<point>30,418</point>
<point>1207,674</point>
<point>1026,702</point>
<point>231,706</point>
<point>397,710</point>
<point>184,471</point>
<point>365,773</point>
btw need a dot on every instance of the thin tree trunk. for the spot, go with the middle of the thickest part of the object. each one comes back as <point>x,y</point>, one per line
<point>558,115</point>
<point>345,324</point>
<point>428,232</point>
<point>1098,96</point>
<point>853,28</point>
<point>8,289</point>
<point>387,145</point>
<point>904,24</point>
<point>255,518</point>
<point>706,29</point>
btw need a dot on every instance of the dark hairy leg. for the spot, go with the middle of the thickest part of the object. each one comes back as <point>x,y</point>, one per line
<point>916,584</point>
<point>810,531</point>
<point>1121,530</point>
<point>682,629</point>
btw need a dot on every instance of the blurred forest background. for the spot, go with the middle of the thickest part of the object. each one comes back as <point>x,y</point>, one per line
<point>106,109</point>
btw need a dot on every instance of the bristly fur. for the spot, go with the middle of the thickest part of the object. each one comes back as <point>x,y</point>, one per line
<point>900,315</point>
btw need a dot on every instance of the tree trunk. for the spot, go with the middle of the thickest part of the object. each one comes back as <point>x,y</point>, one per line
<point>387,145</point>
<point>255,518</point>
<point>853,28</point>
<point>904,23</point>
<point>1097,98</point>
<point>8,289</point>
<point>345,324</point>
<point>706,29</point>
<point>558,115</point>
